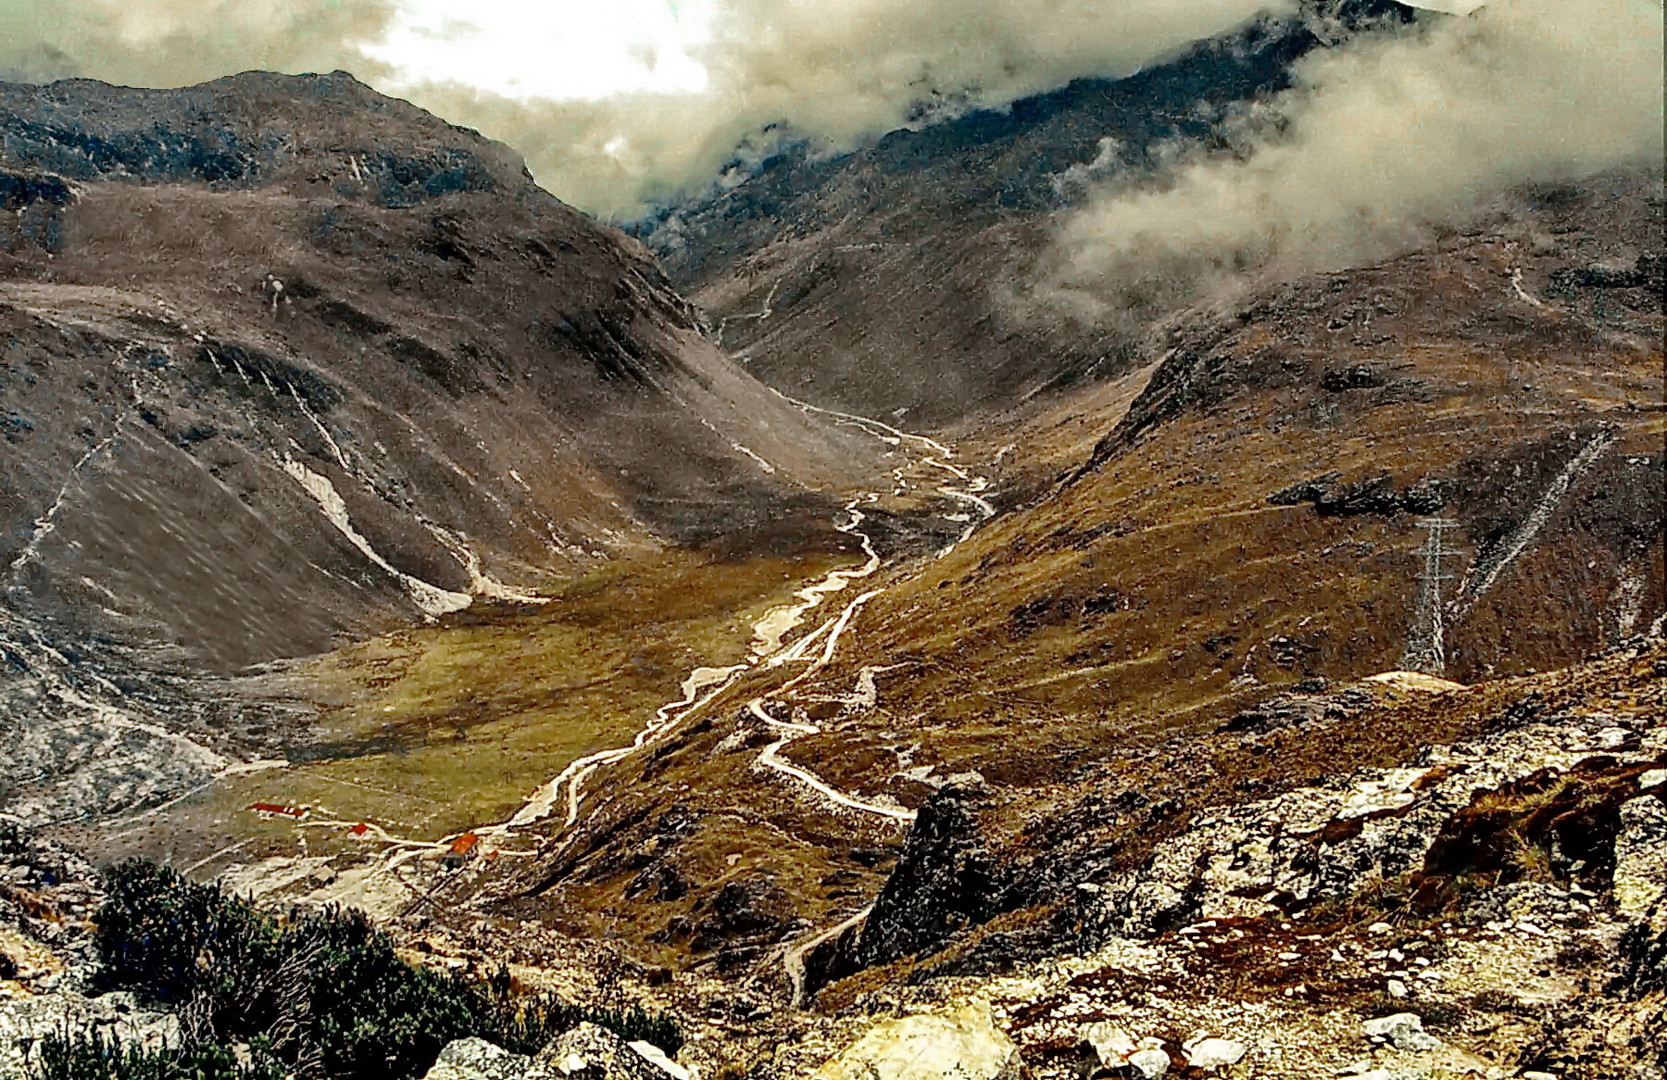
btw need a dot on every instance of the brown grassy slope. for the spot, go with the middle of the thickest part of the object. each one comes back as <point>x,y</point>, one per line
<point>1158,591</point>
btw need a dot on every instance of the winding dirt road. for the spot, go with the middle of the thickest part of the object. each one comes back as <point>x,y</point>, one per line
<point>815,650</point>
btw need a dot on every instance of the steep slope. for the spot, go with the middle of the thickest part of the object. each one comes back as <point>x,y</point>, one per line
<point>1251,525</point>
<point>287,361</point>
<point>880,280</point>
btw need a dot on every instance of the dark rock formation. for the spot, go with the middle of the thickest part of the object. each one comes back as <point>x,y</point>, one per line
<point>1331,495</point>
<point>945,880</point>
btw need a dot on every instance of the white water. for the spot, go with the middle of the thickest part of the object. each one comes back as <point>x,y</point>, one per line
<point>480,582</point>
<point>704,685</point>
<point>47,522</point>
<point>1519,540</point>
<point>766,648</point>
<point>1522,293</point>
<point>776,623</point>
<point>543,801</point>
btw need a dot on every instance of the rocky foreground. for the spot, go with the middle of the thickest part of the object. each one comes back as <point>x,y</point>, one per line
<point>1494,907</point>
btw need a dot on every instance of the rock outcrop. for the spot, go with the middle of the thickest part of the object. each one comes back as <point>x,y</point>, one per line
<point>477,1059</point>
<point>958,1044</point>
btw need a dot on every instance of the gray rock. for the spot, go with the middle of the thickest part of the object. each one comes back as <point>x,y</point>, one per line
<point>1641,856</point>
<point>1149,1064</point>
<point>1404,1031</point>
<point>589,1052</point>
<point>24,1022</point>
<point>477,1059</point>
<point>1214,1053</point>
<point>960,1044</point>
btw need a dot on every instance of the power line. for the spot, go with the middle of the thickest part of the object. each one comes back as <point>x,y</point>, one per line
<point>1426,641</point>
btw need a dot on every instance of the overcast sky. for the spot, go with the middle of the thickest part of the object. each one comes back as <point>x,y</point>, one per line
<point>569,49</point>
<point>551,48</point>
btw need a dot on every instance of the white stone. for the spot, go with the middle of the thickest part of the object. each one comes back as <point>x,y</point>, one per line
<point>1149,1064</point>
<point>595,1054</point>
<point>1212,1053</point>
<point>958,1044</point>
<point>656,1056</point>
<point>1112,1045</point>
<point>1653,778</point>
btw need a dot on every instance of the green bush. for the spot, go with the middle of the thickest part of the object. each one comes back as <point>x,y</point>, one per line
<point>94,1056</point>
<point>322,992</point>
<point>554,1017</point>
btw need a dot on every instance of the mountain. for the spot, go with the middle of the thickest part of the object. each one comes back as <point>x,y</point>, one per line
<point>880,280</point>
<point>1275,692</point>
<point>288,362</point>
<point>1245,524</point>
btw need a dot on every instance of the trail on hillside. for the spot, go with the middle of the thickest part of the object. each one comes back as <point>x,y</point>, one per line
<point>767,651</point>
<point>1487,569</point>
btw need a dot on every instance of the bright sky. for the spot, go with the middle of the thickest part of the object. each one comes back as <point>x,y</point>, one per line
<point>552,48</point>
<point>573,48</point>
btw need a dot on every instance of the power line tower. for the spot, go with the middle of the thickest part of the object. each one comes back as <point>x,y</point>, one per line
<point>1426,642</point>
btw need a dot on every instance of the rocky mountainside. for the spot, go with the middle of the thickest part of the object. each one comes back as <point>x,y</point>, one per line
<point>1250,524</point>
<point>881,280</point>
<point>287,361</point>
<point>1199,747</point>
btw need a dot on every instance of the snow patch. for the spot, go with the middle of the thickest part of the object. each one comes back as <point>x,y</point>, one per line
<point>430,599</point>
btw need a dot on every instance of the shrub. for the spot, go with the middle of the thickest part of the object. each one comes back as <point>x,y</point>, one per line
<point>322,992</point>
<point>96,1056</point>
<point>631,1024</point>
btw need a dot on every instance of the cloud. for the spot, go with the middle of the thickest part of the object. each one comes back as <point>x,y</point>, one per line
<point>1379,140</point>
<point>836,70</point>
<point>830,69</point>
<point>178,42</point>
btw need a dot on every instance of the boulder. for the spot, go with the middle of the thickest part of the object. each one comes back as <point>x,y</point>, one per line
<point>589,1052</point>
<point>960,1044</point>
<point>477,1059</point>
<point>1149,1064</point>
<point>656,1056</point>
<point>1213,1053</point>
<point>1640,856</point>
<point>1403,1031</point>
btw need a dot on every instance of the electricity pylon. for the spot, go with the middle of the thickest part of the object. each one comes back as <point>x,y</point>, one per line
<point>1426,642</point>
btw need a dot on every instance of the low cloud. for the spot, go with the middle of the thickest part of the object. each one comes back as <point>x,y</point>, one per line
<point>1379,141</point>
<point>179,42</point>
<point>834,70</point>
